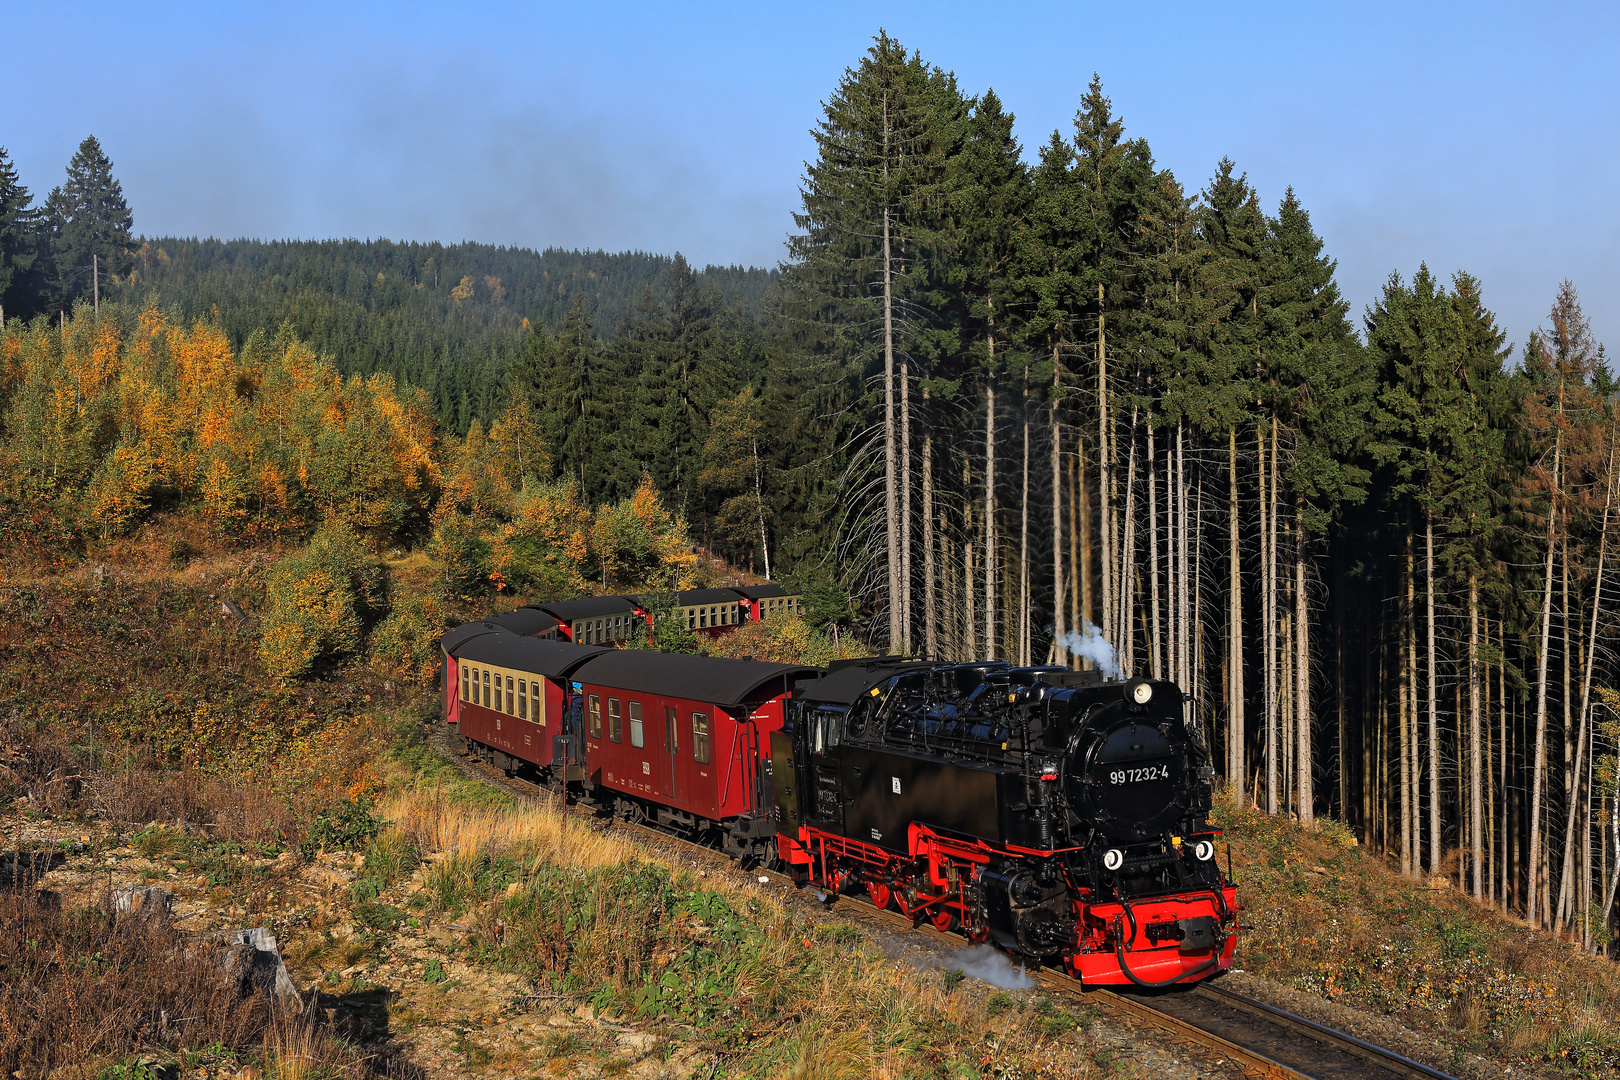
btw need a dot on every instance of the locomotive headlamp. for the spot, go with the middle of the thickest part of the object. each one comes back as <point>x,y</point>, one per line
<point>1113,858</point>
<point>1204,850</point>
<point>1142,693</point>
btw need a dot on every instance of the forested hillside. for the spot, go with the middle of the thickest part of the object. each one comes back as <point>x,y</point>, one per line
<point>448,319</point>
<point>1027,410</point>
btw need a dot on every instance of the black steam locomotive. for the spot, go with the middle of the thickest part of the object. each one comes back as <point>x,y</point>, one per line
<point>1045,809</point>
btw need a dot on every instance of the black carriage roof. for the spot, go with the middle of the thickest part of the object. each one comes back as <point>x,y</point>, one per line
<point>693,678</point>
<point>553,659</point>
<point>526,621</point>
<point>589,607</point>
<point>467,631</point>
<point>850,679</point>
<point>690,597</point>
<point>768,591</point>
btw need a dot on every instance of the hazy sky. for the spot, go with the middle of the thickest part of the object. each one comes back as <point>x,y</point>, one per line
<point>1469,136</point>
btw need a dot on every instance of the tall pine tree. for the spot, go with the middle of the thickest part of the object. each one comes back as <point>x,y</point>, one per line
<point>89,225</point>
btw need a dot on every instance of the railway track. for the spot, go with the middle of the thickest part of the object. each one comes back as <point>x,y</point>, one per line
<point>1261,1040</point>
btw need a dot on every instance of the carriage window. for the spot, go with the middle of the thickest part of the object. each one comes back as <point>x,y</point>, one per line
<point>596,717</point>
<point>691,618</point>
<point>463,682</point>
<point>672,727</point>
<point>703,617</point>
<point>615,721</point>
<point>700,738</point>
<point>486,690</point>
<point>511,700</point>
<point>523,699</point>
<point>537,703</point>
<point>636,738</point>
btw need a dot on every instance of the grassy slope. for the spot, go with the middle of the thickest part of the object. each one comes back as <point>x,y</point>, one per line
<point>439,922</point>
<point>456,918</point>
<point>1331,919</point>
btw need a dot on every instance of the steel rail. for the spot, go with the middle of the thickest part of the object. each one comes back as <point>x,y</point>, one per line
<point>1358,1059</point>
<point>1386,1059</point>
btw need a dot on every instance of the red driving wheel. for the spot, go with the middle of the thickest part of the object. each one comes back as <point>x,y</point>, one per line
<point>880,893</point>
<point>943,919</point>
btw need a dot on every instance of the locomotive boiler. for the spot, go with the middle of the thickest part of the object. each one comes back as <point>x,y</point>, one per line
<point>1060,815</point>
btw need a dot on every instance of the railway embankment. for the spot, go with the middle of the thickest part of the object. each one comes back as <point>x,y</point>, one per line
<point>441,926</point>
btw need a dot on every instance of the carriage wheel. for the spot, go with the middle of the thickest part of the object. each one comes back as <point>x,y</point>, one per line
<point>880,893</point>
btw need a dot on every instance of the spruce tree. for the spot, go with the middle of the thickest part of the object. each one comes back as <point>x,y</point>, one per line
<point>89,225</point>
<point>17,239</point>
<point>872,203</point>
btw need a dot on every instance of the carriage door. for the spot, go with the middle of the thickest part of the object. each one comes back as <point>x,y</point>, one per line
<point>672,747</point>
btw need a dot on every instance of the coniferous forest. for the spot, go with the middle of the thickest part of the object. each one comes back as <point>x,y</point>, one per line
<point>1050,405</point>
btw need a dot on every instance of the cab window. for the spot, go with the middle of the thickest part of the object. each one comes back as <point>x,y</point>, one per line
<point>700,738</point>
<point>615,721</point>
<point>635,724</point>
<point>596,717</point>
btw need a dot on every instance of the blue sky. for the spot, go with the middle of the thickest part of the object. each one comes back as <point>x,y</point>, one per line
<point>1478,137</point>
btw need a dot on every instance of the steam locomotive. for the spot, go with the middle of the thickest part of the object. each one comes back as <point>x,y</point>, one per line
<point>1059,815</point>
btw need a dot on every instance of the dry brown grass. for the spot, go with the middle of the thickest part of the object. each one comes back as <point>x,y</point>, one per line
<point>83,988</point>
<point>237,810</point>
<point>433,821</point>
<point>755,984</point>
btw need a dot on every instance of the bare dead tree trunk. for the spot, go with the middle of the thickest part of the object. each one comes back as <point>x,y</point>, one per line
<point>1128,582</point>
<point>1155,657</point>
<point>1304,784</point>
<point>891,504</point>
<point>1235,765</point>
<point>1434,701</point>
<point>1583,737</point>
<point>1060,654</point>
<point>1409,856</point>
<point>1505,861</point>
<point>1023,540</point>
<point>1197,608</point>
<point>990,511</point>
<point>970,621</point>
<point>1268,541</point>
<point>759,505</point>
<point>907,493</point>
<point>1105,476</point>
<point>1183,575</point>
<point>1476,834</point>
<point>930,600</point>
<point>1081,504</point>
<point>1533,892</point>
